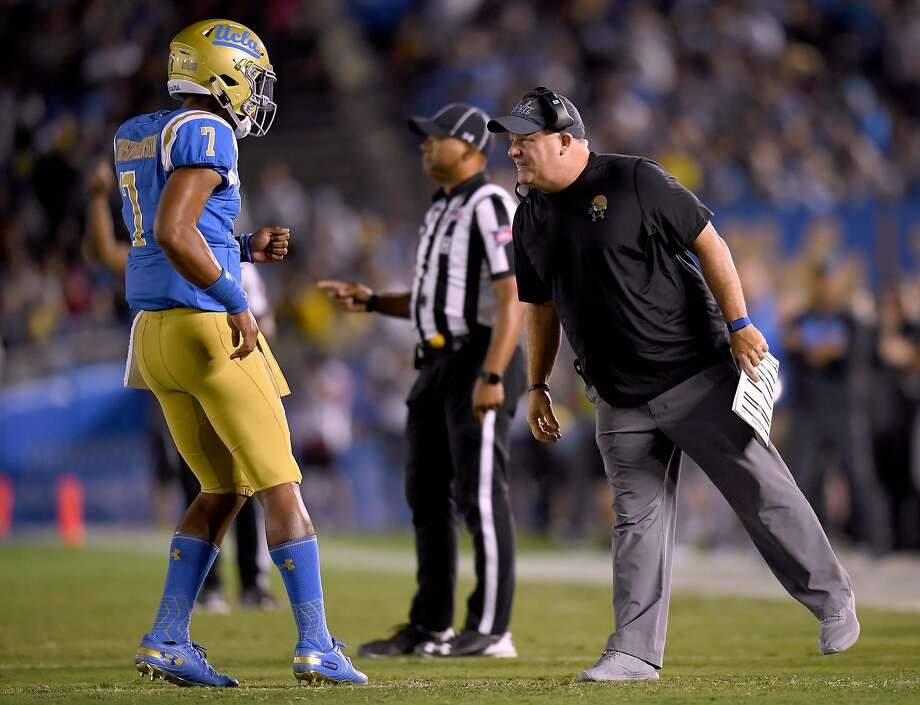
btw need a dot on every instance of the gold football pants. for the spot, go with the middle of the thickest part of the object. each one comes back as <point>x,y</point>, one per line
<point>225,415</point>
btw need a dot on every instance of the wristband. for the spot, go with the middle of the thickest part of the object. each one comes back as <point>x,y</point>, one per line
<point>228,292</point>
<point>371,304</point>
<point>245,249</point>
<point>538,385</point>
<point>738,324</point>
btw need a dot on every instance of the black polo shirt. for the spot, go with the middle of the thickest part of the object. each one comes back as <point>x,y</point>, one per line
<point>610,251</point>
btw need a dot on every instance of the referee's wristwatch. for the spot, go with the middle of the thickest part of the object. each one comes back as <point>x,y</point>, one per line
<point>490,377</point>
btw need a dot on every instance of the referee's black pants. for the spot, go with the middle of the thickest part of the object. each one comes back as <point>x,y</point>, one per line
<point>456,463</point>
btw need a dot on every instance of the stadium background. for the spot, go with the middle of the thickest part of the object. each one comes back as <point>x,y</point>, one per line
<point>796,121</point>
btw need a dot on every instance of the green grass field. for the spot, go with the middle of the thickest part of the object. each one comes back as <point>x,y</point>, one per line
<point>70,621</point>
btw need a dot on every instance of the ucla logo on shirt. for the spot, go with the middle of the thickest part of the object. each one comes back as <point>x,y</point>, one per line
<point>227,36</point>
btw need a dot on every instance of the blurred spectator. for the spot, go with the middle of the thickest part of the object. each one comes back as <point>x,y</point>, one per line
<point>895,403</point>
<point>830,427</point>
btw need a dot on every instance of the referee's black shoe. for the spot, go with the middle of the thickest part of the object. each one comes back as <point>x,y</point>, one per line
<point>404,641</point>
<point>470,643</point>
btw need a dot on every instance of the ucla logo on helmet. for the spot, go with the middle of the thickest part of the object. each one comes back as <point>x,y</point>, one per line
<point>227,36</point>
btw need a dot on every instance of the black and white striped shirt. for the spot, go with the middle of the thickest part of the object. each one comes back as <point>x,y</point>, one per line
<point>464,245</point>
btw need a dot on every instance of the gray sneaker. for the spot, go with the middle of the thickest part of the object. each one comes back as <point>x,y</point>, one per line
<point>840,630</point>
<point>617,666</point>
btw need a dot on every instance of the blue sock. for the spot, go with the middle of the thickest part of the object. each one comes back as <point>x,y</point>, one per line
<point>190,560</point>
<point>298,561</point>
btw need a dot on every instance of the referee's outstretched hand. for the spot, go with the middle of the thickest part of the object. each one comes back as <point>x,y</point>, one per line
<point>749,347</point>
<point>349,295</point>
<point>540,416</point>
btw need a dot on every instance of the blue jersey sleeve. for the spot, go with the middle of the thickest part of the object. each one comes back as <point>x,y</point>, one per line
<point>201,140</point>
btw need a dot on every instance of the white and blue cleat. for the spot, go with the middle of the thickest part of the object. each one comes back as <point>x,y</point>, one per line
<point>331,666</point>
<point>184,664</point>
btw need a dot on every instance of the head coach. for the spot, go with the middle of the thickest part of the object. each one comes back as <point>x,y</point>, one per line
<point>602,245</point>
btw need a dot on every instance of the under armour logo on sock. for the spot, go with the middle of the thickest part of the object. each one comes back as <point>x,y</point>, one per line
<point>288,563</point>
<point>176,554</point>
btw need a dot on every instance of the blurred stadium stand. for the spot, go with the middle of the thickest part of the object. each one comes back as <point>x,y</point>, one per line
<point>797,121</point>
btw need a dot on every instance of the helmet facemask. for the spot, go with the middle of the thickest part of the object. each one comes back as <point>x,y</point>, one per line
<point>258,111</point>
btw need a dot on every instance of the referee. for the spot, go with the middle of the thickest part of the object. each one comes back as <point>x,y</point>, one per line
<point>464,307</point>
<point>602,244</point>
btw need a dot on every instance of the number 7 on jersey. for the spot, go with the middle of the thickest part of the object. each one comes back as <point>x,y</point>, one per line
<point>129,186</point>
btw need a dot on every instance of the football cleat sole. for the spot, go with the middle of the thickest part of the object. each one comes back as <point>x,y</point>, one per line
<point>314,678</point>
<point>153,672</point>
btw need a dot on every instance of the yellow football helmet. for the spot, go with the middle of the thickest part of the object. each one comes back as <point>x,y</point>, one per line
<point>226,60</point>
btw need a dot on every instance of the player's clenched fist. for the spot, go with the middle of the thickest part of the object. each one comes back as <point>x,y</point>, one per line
<point>269,244</point>
<point>540,416</point>
<point>349,295</point>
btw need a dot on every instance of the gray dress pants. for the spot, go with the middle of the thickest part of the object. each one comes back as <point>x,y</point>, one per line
<point>642,449</point>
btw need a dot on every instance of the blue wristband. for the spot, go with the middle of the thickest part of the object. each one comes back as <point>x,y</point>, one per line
<point>738,324</point>
<point>228,291</point>
<point>245,249</point>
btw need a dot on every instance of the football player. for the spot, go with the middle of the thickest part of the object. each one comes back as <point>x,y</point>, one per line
<point>197,347</point>
<point>113,253</point>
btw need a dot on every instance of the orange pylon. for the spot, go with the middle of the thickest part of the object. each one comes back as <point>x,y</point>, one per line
<point>70,510</point>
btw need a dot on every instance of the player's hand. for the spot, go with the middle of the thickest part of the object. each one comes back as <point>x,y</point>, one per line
<point>245,333</point>
<point>102,180</point>
<point>350,296</point>
<point>486,397</point>
<point>748,348</point>
<point>540,416</point>
<point>269,244</point>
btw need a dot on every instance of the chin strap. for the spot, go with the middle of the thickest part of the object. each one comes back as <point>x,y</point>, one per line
<point>241,128</point>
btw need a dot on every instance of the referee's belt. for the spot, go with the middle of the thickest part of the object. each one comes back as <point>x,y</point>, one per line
<point>439,346</point>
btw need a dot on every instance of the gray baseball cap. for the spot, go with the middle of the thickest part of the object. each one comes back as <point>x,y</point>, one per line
<point>460,120</point>
<point>541,109</point>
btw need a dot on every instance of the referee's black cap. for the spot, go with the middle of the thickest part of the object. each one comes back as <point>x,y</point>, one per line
<point>541,109</point>
<point>465,122</point>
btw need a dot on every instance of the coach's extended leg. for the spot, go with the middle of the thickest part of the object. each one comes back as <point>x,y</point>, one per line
<point>697,415</point>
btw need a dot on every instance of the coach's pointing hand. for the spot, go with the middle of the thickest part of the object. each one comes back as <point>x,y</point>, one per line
<point>540,416</point>
<point>350,296</point>
<point>749,347</point>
